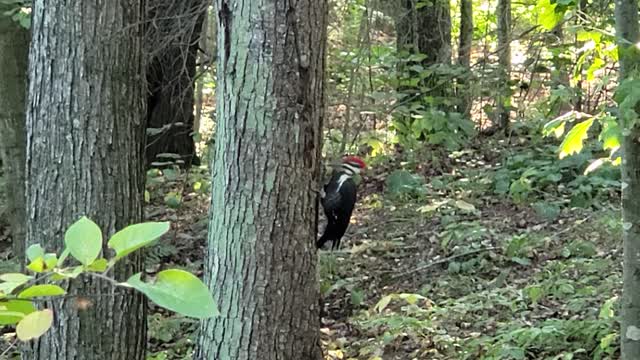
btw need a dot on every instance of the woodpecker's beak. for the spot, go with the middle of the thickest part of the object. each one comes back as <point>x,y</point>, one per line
<point>335,164</point>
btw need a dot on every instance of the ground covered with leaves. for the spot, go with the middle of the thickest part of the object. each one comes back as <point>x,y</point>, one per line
<point>467,255</point>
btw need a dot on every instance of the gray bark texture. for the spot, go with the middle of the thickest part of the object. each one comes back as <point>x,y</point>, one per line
<point>628,33</point>
<point>503,98</point>
<point>261,258</point>
<point>85,146</point>
<point>14,50</point>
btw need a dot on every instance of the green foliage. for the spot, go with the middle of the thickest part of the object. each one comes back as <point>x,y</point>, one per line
<point>179,291</point>
<point>19,11</point>
<point>173,289</point>
<point>402,182</point>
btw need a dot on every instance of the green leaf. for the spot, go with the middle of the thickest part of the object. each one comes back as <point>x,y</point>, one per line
<point>37,265</point>
<point>15,277</point>
<point>611,134</point>
<point>12,281</point>
<point>179,291</point>
<point>548,17</point>
<point>572,143</point>
<point>463,205</point>
<point>41,290</point>
<point>134,237</point>
<point>34,325</point>
<point>383,303</point>
<point>35,251</point>
<point>8,310</point>
<point>84,240</point>
<point>606,311</point>
<point>99,265</point>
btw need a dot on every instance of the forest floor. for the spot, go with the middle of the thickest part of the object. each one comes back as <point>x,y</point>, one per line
<point>444,269</point>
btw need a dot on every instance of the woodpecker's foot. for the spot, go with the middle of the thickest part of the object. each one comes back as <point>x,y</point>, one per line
<point>319,191</point>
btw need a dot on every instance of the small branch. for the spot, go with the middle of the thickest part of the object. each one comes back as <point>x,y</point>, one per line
<point>11,346</point>
<point>442,261</point>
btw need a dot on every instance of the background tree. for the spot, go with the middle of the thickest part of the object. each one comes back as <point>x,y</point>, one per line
<point>270,106</point>
<point>503,99</point>
<point>173,36</point>
<point>464,55</point>
<point>628,33</point>
<point>85,124</point>
<point>14,48</point>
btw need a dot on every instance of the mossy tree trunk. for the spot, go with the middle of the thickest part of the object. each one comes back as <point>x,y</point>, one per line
<point>261,259</point>
<point>85,149</point>
<point>628,33</point>
<point>14,49</point>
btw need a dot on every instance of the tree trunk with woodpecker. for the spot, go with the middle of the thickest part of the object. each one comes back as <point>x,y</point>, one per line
<point>85,149</point>
<point>464,56</point>
<point>172,46</point>
<point>14,49</point>
<point>628,33</point>
<point>261,258</point>
<point>503,96</point>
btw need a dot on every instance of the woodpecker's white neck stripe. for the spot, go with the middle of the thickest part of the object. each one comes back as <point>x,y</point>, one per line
<point>342,179</point>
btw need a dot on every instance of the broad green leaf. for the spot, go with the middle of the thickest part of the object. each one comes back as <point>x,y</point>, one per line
<point>12,281</point>
<point>597,64</point>
<point>34,325</point>
<point>611,134</point>
<point>99,265</point>
<point>84,240</point>
<point>10,307</point>
<point>548,17</point>
<point>606,311</point>
<point>34,251</point>
<point>134,237</point>
<point>41,290</point>
<point>463,205</point>
<point>179,291</point>
<point>37,265</point>
<point>383,303</point>
<point>15,277</point>
<point>50,261</point>
<point>572,143</point>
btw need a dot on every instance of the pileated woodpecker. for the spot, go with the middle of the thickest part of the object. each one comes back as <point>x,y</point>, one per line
<point>338,199</point>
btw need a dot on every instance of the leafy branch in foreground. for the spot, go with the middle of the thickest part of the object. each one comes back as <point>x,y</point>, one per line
<point>173,289</point>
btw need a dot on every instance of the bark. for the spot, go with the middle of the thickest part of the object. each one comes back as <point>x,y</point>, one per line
<point>503,98</point>
<point>85,147</point>
<point>172,45</point>
<point>628,33</point>
<point>14,48</point>
<point>464,54</point>
<point>261,261</point>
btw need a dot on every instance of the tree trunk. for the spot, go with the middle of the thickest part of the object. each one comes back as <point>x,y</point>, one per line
<point>626,14</point>
<point>85,126</point>
<point>464,55</point>
<point>503,98</point>
<point>261,260</point>
<point>14,48</point>
<point>172,45</point>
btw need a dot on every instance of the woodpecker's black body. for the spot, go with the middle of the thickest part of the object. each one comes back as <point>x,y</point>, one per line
<point>338,200</point>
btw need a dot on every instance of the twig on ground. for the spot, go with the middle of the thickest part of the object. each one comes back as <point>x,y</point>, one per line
<point>442,261</point>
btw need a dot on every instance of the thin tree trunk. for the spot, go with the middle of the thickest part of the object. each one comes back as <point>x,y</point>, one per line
<point>464,55</point>
<point>14,48</point>
<point>85,148</point>
<point>628,33</point>
<point>503,98</point>
<point>261,260</point>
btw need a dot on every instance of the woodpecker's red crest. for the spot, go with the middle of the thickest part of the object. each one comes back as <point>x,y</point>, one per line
<point>354,161</point>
